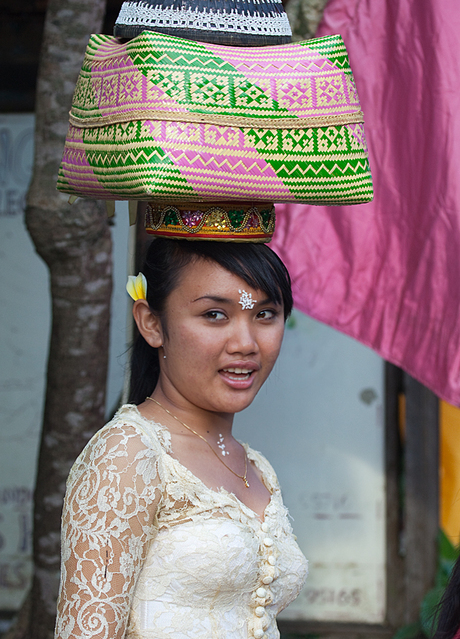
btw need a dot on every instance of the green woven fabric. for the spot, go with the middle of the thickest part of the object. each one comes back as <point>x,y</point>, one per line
<point>160,117</point>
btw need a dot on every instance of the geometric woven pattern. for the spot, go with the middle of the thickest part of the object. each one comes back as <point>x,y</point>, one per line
<point>160,117</point>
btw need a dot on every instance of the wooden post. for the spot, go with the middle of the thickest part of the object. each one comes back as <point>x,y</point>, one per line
<point>421,521</point>
<point>394,387</point>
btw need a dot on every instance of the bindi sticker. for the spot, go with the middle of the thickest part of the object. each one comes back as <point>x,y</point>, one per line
<point>246,300</point>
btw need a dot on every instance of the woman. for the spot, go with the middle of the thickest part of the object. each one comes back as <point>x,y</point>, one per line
<point>172,528</point>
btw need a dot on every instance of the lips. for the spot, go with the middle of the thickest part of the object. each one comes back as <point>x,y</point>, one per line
<point>240,375</point>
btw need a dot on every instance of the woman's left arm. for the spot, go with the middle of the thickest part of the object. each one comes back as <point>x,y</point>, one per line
<point>107,524</point>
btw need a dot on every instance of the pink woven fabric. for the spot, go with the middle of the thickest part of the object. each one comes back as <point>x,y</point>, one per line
<point>388,273</point>
<point>215,161</point>
<point>258,66</point>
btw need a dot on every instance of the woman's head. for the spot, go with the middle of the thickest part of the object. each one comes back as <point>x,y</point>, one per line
<point>174,268</point>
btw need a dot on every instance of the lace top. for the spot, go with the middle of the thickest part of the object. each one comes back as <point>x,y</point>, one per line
<point>150,552</point>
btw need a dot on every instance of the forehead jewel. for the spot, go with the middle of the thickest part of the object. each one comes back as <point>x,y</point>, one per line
<point>246,300</point>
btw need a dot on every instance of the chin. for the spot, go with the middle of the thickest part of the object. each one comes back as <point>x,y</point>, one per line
<point>238,404</point>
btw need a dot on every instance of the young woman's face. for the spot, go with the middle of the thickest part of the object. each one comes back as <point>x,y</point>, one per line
<point>218,351</point>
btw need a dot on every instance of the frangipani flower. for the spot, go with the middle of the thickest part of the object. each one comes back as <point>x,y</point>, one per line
<point>137,287</point>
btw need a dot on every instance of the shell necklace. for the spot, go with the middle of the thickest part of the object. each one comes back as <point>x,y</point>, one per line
<point>242,477</point>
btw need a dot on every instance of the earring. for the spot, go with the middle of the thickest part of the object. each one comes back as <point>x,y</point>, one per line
<point>164,356</point>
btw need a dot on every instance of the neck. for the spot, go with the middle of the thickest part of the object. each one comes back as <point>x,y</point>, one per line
<point>204,422</point>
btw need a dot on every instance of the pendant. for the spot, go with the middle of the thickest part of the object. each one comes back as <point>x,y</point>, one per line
<point>245,482</point>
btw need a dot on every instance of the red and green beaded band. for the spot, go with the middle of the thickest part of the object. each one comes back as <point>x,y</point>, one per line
<point>233,221</point>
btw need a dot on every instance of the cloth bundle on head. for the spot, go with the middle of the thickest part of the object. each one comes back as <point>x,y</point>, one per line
<point>211,135</point>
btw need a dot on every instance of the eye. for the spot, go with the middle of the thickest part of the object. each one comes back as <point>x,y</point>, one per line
<point>215,316</point>
<point>267,314</point>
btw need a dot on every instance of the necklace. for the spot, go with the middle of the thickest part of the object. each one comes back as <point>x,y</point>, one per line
<point>243,477</point>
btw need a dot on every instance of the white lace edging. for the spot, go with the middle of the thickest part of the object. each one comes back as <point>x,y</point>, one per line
<point>143,14</point>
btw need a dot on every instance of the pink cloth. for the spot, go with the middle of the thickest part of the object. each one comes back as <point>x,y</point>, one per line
<point>388,273</point>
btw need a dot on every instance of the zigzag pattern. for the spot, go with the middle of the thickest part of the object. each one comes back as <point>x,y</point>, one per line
<point>157,71</point>
<point>281,175</point>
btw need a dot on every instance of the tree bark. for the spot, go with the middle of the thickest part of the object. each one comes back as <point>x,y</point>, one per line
<point>304,16</point>
<point>75,243</point>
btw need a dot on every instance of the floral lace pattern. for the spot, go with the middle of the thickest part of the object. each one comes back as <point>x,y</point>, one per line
<point>150,552</point>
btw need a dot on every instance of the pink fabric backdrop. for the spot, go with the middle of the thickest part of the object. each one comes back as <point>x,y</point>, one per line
<point>388,273</point>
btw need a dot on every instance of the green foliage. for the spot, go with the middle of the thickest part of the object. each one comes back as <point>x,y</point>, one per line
<point>426,626</point>
<point>448,554</point>
<point>409,632</point>
<point>429,610</point>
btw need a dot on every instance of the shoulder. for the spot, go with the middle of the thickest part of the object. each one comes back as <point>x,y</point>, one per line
<point>127,444</point>
<point>129,420</point>
<point>116,483</point>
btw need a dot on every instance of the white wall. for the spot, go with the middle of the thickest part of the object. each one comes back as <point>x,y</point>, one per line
<point>24,329</point>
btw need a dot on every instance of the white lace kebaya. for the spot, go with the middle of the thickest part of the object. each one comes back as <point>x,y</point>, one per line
<point>150,552</point>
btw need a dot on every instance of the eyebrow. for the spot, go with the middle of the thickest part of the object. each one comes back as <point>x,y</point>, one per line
<point>226,300</point>
<point>214,298</point>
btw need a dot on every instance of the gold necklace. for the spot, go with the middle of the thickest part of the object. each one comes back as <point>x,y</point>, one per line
<point>243,477</point>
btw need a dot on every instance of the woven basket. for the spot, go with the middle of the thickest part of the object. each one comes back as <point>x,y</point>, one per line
<point>163,118</point>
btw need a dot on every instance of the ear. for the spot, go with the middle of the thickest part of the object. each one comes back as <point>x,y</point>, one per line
<point>148,323</point>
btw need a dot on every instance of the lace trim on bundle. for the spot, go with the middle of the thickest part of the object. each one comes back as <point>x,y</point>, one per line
<point>134,13</point>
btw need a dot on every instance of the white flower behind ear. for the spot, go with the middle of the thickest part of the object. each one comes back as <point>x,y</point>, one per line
<point>137,287</point>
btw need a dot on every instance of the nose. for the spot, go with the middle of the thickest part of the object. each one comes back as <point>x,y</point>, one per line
<point>243,338</point>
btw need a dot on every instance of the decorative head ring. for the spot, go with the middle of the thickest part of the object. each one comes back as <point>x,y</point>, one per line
<point>137,287</point>
<point>225,221</point>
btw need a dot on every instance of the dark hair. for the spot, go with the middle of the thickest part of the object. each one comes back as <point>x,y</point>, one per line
<point>256,264</point>
<point>447,621</point>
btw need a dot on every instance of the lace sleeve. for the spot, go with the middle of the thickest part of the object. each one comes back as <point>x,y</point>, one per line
<point>107,523</point>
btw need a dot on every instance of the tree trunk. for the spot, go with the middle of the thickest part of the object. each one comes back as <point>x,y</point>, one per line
<point>75,243</point>
<point>304,16</point>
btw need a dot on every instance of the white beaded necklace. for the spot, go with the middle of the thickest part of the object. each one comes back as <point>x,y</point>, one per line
<point>242,477</point>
